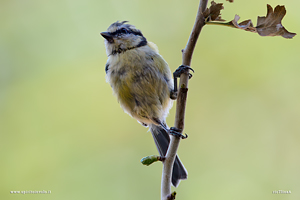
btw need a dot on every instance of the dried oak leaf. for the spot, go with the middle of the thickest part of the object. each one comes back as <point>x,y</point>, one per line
<point>213,13</point>
<point>246,25</point>
<point>230,1</point>
<point>271,24</point>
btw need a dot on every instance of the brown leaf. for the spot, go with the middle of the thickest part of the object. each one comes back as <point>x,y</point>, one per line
<point>246,25</point>
<point>271,24</point>
<point>230,1</point>
<point>213,13</point>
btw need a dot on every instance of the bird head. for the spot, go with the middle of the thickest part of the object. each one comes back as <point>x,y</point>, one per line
<point>121,37</point>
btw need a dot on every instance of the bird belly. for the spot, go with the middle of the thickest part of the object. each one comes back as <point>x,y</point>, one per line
<point>142,94</point>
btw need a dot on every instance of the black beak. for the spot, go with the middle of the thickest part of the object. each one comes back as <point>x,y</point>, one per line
<point>107,36</point>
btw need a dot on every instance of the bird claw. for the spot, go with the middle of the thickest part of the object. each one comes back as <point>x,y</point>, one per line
<point>180,70</point>
<point>183,69</point>
<point>177,133</point>
<point>173,94</point>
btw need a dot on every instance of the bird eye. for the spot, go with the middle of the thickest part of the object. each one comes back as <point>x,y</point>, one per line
<point>123,31</point>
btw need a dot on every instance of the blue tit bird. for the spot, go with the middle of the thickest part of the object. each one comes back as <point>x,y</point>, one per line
<point>142,82</point>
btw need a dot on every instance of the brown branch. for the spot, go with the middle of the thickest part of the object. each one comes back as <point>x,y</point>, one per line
<point>181,102</point>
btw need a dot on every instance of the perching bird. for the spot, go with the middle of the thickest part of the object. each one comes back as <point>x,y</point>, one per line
<point>142,82</point>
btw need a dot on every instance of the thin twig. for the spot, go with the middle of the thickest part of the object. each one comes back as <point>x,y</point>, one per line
<point>181,102</point>
<point>220,23</point>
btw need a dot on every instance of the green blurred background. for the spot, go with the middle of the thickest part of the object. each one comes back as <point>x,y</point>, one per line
<point>63,130</point>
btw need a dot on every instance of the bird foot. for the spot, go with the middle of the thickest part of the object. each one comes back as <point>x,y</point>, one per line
<point>177,133</point>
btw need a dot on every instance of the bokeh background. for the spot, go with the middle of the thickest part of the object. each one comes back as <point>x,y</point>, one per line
<point>62,129</point>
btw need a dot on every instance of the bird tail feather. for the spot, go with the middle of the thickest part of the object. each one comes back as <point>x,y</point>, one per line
<point>162,140</point>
